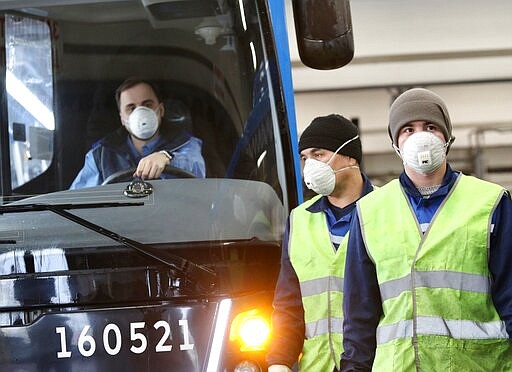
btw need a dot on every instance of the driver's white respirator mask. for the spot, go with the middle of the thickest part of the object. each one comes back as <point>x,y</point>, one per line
<point>143,122</point>
<point>320,177</point>
<point>423,152</point>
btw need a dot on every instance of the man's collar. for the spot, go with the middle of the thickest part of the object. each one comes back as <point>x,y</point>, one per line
<point>323,203</point>
<point>148,148</point>
<point>448,179</point>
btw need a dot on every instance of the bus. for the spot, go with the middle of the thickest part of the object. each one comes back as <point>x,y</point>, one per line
<point>170,274</point>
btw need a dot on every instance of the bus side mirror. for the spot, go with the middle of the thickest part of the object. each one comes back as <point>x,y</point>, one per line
<point>324,33</point>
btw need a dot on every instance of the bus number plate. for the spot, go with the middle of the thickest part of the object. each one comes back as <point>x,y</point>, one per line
<point>111,339</point>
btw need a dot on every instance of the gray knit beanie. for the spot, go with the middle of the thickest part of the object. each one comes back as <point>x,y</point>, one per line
<point>419,104</point>
<point>329,133</point>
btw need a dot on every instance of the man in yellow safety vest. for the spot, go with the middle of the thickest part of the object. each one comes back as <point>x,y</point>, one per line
<point>428,285</point>
<point>307,317</point>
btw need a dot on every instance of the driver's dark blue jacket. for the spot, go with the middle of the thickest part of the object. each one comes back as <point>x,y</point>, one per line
<point>117,152</point>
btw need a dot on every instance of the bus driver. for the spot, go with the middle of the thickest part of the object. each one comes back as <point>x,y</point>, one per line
<point>142,142</point>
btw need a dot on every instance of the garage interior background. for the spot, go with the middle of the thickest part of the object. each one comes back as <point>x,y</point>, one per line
<point>460,49</point>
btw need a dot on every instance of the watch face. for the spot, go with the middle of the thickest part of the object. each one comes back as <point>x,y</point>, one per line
<point>138,189</point>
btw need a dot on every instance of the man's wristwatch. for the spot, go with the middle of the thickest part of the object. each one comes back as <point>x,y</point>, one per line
<point>166,153</point>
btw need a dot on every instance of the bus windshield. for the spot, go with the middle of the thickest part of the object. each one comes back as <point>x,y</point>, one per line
<point>215,65</point>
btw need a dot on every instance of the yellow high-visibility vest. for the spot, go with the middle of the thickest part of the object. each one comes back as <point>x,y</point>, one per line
<point>319,267</point>
<point>435,287</point>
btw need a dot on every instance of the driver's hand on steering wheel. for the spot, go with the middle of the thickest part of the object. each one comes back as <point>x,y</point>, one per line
<point>151,166</point>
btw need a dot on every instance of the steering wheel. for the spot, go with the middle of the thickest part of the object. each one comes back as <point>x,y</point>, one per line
<point>125,175</point>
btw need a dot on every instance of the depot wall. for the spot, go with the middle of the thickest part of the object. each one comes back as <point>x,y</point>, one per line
<point>474,108</point>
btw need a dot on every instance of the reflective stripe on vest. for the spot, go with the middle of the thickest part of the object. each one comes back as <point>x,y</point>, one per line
<point>319,268</point>
<point>458,329</point>
<point>435,287</point>
<point>436,279</point>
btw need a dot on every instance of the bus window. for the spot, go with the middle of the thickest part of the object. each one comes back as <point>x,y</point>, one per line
<point>29,87</point>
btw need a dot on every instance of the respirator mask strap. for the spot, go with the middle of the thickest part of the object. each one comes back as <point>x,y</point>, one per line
<point>343,145</point>
<point>397,150</point>
<point>448,143</point>
<point>345,168</point>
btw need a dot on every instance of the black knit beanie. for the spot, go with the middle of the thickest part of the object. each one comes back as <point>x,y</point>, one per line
<point>329,133</point>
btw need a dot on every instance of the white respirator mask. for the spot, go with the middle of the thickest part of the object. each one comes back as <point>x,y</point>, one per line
<point>423,152</point>
<point>143,122</point>
<point>320,177</point>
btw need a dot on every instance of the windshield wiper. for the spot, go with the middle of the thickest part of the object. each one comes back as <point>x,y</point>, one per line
<point>38,207</point>
<point>192,272</point>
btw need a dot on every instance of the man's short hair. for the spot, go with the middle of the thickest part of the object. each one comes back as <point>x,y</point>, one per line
<point>133,81</point>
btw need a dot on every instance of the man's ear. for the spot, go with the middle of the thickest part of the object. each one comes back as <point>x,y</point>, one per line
<point>123,122</point>
<point>162,109</point>
<point>351,161</point>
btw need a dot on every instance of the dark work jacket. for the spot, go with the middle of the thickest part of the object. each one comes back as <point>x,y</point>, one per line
<point>112,152</point>
<point>362,305</point>
<point>288,315</point>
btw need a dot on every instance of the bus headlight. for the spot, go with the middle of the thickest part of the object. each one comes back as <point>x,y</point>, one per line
<point>251,329</point>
